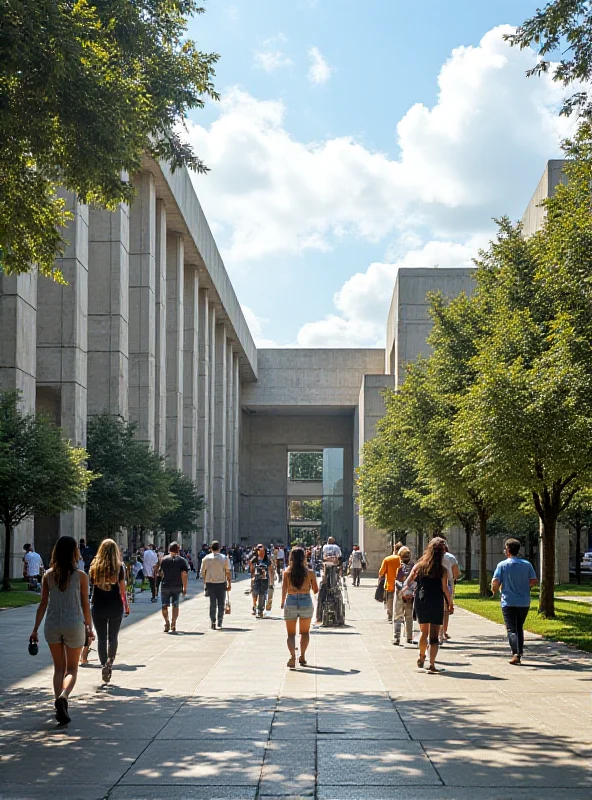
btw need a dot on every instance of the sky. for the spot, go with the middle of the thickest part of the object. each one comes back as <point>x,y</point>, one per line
<point>353,138</point>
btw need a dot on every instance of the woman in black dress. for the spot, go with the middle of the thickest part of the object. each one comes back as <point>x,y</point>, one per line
<point>432,592</point>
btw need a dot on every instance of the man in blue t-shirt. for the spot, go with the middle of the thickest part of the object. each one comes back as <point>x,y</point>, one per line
<point>514,576</point>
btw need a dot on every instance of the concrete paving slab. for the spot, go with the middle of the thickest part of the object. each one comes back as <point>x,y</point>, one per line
<point>363,762</point>
<point>173,792</point>
<point>289,770</point>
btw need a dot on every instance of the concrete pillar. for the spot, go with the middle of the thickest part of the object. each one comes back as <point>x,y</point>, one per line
<point>142,314</point>
<point>229,440</point>
<point>212,438</point>
<point>160,315</point>
<point>203,406</point>
<point>18,367</point>
<point>190,371</point>
<point>62,344</point>
<point>237,416</point>
<point>220,433</point>
<point>108,312</point>
<point>174,350</point>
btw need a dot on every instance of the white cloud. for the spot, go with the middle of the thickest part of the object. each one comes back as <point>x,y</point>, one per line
<point>270,60</point>
<point>363,301</point>
<point>319,70</point>
<point>475,154</point>
<point>256,325</point>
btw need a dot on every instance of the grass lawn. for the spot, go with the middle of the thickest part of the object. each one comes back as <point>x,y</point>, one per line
<point>19,596</point>
<point>572,625</point>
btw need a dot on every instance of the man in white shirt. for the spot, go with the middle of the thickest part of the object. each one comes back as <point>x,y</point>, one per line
<point>32,567</point>
<point>331,551</point>
<point>453,570</point>
<point>280,559</point>
<point>150,562</point>
<point>215,571</point>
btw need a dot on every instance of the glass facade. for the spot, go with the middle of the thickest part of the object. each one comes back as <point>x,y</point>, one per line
<point>320,516</point>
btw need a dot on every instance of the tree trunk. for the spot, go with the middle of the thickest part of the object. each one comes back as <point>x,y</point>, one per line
<point>8,541</point>
<point>484,589</point>
<point>579,527</point>
<point>419,544</point>
<point>548,534</point>
<point>468,554</point>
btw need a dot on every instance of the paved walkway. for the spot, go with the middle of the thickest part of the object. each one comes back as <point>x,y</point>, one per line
<point>217,715</point>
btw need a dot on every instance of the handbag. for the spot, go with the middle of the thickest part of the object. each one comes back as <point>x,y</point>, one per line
<point>227,607</point>
<point>379,593</point>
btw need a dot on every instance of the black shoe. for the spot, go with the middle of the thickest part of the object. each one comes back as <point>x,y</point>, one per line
<point>213,626</point>
<point>61,707</point>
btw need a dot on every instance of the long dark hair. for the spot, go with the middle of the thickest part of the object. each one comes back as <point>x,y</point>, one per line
<point>64,560</point>
<point>430,564</point>
<point>298,568</point>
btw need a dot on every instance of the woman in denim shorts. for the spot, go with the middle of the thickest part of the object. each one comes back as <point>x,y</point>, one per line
<point>297,583</point>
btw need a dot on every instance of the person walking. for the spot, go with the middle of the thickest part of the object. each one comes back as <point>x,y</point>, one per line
<point>403,605</point>
<point>297,604</point>
<point>150,562</point>
<point>389,568</point>
<point>262,575</point>
<point>32,568</point>
<point>357,563</point>
<point>215,571</point>
<point>453,570</point>
<point>174,571</point>
<point>515,577</point>
<point>430,595</point>
<point>64,596</point>
<point>108,602</point>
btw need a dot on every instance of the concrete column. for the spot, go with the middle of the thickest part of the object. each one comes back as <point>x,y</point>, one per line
<point>212,438</point>
<point>229,439</point>
<point>203,406</point>
<point>160,314</point>
<point>174,350</point>
<point>18,366</point>
<point>142,316</point>
<point>190,371</point>
<point>220,432</point>
<point>237,416</point>
<point>108,312</point>
<point>62,344</point>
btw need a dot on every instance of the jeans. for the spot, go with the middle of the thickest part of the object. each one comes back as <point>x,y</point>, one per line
<point>356,572</point>
<point>514,617</point>
<point>107,623</point>
<point>217,595</point>
<point>260,589</point>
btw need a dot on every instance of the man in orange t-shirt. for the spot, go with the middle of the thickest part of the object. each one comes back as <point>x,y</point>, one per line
<point>389,567</point>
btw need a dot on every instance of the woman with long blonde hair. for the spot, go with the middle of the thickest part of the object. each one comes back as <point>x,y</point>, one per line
<point>109,602</point>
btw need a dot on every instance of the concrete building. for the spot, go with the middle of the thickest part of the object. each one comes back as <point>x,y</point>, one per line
<point>149,329</point>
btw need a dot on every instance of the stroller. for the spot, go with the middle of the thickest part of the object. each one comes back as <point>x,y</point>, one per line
<point>331,605</point>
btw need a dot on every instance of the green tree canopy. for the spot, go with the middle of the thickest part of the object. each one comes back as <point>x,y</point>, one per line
<point>40,473</point>
<point>133,487</point>
<point>87,87</point>
<point>183,517</point>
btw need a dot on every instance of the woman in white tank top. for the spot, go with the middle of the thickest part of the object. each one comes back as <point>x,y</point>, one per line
<point>64,595</point>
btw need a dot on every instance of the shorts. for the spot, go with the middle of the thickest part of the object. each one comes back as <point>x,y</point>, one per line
<point>72,636</point>
<point>298,606</point>
<point>169,597</point>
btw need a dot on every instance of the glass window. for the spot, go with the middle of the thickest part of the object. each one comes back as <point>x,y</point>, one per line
<point>305,466</point>
<point>305,510</point>
<point>333,470</point>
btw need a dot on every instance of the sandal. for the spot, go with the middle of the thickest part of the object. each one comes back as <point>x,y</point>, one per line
<point>302,661</point>
<point>433,669</point>
<point>292,662</point>
<point>106,672</point>
<point>421,662</point>
<point>167,626</point>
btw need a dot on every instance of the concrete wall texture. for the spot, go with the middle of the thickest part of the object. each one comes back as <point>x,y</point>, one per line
<point>149,329</point>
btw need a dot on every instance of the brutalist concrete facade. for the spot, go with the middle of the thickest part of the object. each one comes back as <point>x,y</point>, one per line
<point>149,329</point>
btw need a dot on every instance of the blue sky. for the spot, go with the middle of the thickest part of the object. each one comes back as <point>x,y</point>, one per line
<point>352,138</point>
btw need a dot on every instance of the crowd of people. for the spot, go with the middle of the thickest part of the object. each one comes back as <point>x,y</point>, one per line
<point>84,595</point>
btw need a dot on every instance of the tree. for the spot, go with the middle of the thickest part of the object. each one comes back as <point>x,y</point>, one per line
<point>133,487</point>
<point>558,23</point>
<point>40,473</point>
<point>528,416</point>
<point>183,517</point>
<point>577,517</point>
<point>305,466</point>
<point>86,89</point>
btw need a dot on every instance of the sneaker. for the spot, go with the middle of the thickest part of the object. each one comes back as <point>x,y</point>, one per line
<point>61,707</point>
<point>219,624</point>
<point>213,626</point>
<point>254,612</point>
<point>260,615</point>
<point>410,641</point>
<point>106,673</point>
<point>515,660</point>
<point>396,642</point>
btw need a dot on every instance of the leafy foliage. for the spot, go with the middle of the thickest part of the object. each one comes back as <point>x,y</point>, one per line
<point>183,517</point>
<point>133,487</point>
<point>86,89</point>
<point>40,473</point>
